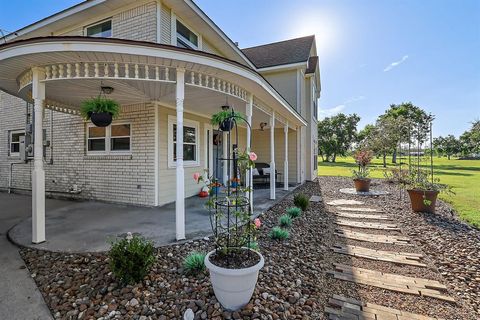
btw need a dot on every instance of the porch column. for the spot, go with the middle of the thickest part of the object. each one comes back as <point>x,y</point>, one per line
<point>285,162</point>
<point>224,156</point>
<point>249,176</point>
<point>180,196</point>
<point>272,156</point>
<point>38,174</point>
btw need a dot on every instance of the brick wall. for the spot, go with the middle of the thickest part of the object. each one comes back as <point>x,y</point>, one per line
<point>139,23</point>
<point>126,179</point>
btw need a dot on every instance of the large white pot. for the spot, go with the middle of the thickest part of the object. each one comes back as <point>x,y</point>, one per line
<point>233,287</point>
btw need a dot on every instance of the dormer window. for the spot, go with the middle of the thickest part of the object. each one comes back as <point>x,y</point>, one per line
<point>102,29</point>
<point>186,38</point>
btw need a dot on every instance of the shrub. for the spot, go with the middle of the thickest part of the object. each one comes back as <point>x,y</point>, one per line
<point>194,263</point>
<point>278,233</point>
<point>285,221</point>
<point>294,212</point>
<point>131,258</point>
<point>301,201</point>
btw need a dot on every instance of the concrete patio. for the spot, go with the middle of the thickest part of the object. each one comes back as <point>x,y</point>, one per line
<point>86,226</point>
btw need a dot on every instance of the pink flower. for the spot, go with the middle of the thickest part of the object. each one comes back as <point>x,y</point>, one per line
<point>252,156</point>
<point>257,223</point>
<point>196,176</point>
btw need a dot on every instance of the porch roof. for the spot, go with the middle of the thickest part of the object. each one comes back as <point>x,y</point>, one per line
<point>204,71</point>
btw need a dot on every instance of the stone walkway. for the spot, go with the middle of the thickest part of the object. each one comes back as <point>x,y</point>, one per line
<point>352,215</point>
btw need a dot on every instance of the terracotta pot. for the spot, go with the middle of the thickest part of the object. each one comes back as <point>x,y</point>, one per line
<point>417,198</point>
<point>101,119</point>
<point>362,185</point>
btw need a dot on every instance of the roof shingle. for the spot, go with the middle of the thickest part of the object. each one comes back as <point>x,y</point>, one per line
<point>280,53</point>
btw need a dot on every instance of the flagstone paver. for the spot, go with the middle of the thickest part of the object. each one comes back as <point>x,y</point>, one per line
<point>374,238</point>
<point>340,307</point>
<point>393,282</point>
<point>363,216</point>
<point>367,225</point>
<point>372,254</point>
<point>359,209</point>
<point>342,202</point>
<point>315,199</point>
<point>360,193</point>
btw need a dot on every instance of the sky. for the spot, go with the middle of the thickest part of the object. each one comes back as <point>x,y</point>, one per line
<point>373,53</point>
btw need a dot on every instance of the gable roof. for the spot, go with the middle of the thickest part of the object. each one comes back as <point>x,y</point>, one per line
<point>280,53</point>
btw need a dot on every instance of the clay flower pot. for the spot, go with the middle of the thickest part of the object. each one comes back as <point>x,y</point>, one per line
<point>362,185</point>
<point>423,200</point>
<point>233,287</point>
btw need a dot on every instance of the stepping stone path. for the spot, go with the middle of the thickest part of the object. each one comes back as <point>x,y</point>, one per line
<point>345,308</point>
<point>389,256</point>
<point>393,282</point>
<point>315,199</point>
<point>375,238</point>
<point>367,225</point>
<point>363,216</point>
<point>354,217</point>
<point>360,193</point>
<point>359,209</point>
<point>344,202</point>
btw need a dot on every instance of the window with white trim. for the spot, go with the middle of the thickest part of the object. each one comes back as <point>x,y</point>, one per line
<point>14,141</point>
<point>186,38</point>
<point>102,29</point>
<point>315,101</point>
<point>114,139</point>
<point>191,142</point>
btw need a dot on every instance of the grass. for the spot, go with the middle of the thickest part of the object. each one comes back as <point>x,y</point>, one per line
<point>462,175</point>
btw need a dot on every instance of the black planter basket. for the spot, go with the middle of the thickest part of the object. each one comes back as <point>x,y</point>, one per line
<point>101,119</point>
<point>227,125</point>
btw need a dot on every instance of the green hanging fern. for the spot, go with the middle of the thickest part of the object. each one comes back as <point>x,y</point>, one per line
<point>221,116</point>
<point>97,105</point>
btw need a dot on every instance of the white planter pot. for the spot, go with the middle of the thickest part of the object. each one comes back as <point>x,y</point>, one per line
<point>233,287</point>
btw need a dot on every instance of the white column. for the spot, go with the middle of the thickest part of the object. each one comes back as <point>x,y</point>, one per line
<point>224,156</point>
<point>249,177</point>
<point>180,195</point>
<point>38,174</point>
<point>285,162</point>
<point>272,156</point>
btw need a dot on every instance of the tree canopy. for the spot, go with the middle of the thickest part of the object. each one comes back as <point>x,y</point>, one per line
<point>336,135</point>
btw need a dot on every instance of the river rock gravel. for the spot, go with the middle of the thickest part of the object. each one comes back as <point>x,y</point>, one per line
<point>294,283</point>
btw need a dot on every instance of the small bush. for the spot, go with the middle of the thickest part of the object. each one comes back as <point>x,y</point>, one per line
<point>285,221</point>
<point>194,263</point>
<point>278,233</point>
<point>294,212</point>
<point>301,201</point>
<point>131,258</point>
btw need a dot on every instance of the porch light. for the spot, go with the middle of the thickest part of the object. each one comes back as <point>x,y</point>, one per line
<point>106,89</point>
<point>262,125</point>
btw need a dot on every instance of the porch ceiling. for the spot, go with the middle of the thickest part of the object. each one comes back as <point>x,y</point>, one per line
<point>18,58</point>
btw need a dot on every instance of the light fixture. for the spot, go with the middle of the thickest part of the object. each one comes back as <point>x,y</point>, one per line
<point>262,125</point>
<point>106,89</point>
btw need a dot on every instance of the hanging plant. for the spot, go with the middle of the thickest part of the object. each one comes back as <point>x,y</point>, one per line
<point>100,110</point>
<point>225,119</point>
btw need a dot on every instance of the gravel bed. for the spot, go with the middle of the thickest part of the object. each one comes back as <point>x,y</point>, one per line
<point>293,284</point>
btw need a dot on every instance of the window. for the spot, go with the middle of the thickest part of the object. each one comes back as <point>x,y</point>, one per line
<point>185,37</point>
<point>14,138</point>
<point>114,139</point>
<point>102,29</point>
<point>315,101</point>
<point>190,142</point>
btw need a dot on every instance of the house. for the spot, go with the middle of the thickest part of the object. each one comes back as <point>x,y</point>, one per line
<point>169,66</point>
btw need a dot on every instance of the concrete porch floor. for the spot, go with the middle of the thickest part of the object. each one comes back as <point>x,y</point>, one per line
<point>86,226</point>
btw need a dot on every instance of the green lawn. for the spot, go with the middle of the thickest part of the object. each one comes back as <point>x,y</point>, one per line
<point>462,175</point>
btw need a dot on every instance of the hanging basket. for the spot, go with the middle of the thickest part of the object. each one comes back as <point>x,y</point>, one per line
<point>101,119</point>
<point>227,125</point>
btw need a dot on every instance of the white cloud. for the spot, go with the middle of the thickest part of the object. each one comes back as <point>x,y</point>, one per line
<point>354,99</point>
<point>325,113</point>
<point>395,63</point>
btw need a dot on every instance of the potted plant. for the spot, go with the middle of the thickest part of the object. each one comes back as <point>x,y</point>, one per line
<point>423,190</point>
<point>360,176</point>
<point>100,110</point>
<point>234,182</point>
<point>225,119</point>
<point>234,264</point>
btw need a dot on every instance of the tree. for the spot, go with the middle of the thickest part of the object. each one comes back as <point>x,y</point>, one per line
<point>408,120</point>
<point>448,145</point>
<point>382,137</point>
<point>470,139</point>
<point>336,135</point>
<point>365,133</point>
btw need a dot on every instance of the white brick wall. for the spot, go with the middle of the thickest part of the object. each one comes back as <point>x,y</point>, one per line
<point>139,23</point>
<point>127,179</point>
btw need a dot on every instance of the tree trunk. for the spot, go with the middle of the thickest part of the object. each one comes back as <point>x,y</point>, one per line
<point>448,156</point>
<point>334,157</point>
<point>384,159</point>
<point>394,156</point>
